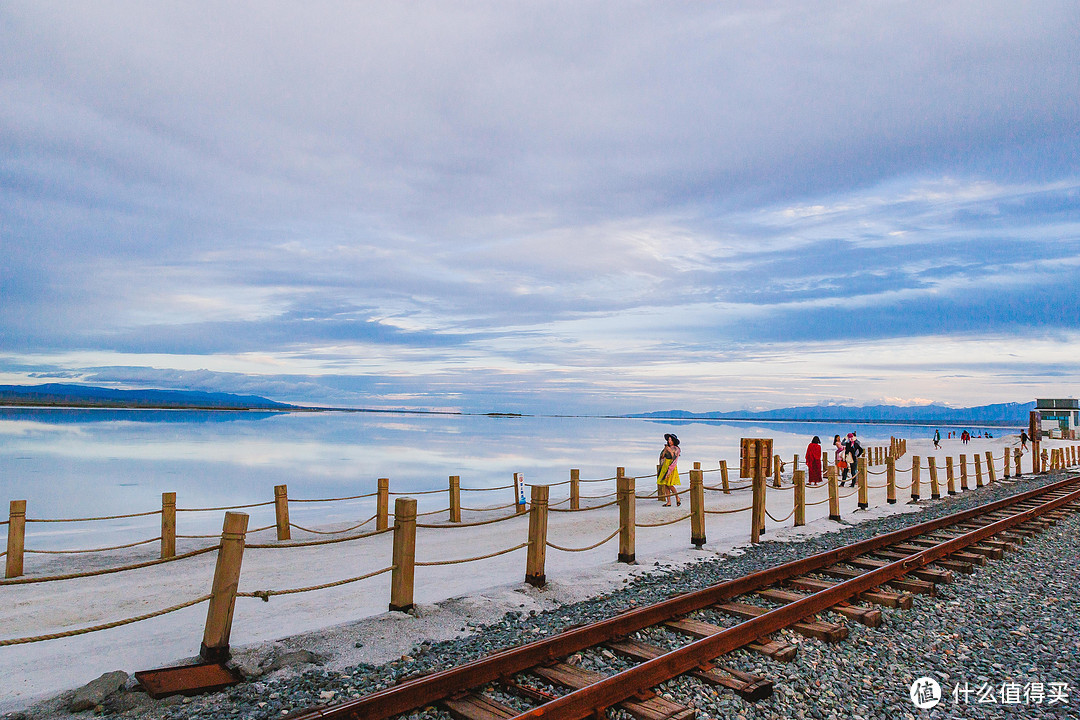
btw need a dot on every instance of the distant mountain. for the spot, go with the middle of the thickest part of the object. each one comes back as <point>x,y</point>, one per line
<point>63,394</point>
<point>998,414</point>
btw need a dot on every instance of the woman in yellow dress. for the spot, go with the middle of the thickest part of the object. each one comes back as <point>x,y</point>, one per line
<point>668,477</point>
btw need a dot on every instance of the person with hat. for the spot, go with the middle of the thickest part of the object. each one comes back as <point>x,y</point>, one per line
<point>668,476</point>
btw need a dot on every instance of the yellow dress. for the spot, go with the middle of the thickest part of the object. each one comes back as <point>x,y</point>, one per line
<point>674,479</point>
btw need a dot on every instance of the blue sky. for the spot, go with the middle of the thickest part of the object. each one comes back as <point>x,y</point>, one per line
<point>544,207</point>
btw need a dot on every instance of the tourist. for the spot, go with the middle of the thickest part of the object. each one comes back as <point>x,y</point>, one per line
<point>838,457</point>
<point>937,439</point>
<point>854,452</point>
<point>813,462</point>
<point>668,477</point>
<point>1023,440</point>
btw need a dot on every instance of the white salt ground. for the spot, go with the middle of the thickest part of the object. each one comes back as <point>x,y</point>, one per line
<point>334,622</point>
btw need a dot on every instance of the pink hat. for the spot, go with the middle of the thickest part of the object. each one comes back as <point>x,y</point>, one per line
<point>850,435</point>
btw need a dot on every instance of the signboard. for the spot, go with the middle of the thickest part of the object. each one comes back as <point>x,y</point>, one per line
<point>754,453</point>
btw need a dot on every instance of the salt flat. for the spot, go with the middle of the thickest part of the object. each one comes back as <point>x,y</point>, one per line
<point>334,621</point>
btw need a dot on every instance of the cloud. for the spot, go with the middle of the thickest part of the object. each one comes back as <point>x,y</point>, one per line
<point>445,202</point>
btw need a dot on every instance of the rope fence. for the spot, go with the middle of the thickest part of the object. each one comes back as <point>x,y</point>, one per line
<point>104,626</point>
<point>589,547</point>
<point>478,523</point>
<point>107,571</point>
<point>329,532</point>
<point>93,519</point>
<point>265,595</point>
<point>100,549</point>
<point>313,543</point>
<point>662,524</point>
<point>432,563</point>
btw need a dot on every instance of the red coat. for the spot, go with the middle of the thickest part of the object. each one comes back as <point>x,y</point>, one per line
<point>813,463</point>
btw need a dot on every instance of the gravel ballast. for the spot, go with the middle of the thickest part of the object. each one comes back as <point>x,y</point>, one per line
<point>1015,622</point>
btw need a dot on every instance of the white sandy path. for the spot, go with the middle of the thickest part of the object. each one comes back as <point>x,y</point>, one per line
<point>333,620</point>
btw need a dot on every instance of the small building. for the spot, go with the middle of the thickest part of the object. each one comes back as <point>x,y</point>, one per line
<point>1060,418</point>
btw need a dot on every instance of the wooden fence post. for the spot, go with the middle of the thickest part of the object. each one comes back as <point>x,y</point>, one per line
<point>1044,468</point>
<point>219,615</point>
<point>795,463</point>
<point>1017,454</point>
<point>949,475</point>
<point>776,471</point>
<point>403,574</point>
<point>724,477</point>
<point>799,477</point>
<point>455,498</point>
<point>575,489</point>
<point>627,517</point>
<point>916,471</point>
<point>864,491</point>
<point>382,505</point>
<point>16,539</point>
<point>281,512</point>
<point>538,521</point>
<point>168,525</point>
<point>697,509</point>
<point>890,480</point>
<point>978,471</point>
<point>935,487</point>
<point>991,471</point>
<point>1008,461</point>
<point>963,473</point>
<point>834,495</point>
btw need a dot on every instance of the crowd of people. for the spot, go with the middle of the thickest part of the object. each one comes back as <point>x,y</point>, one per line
<point>847,452</point>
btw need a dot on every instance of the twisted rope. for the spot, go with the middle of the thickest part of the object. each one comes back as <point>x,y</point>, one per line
<point>265,595</point>
<point>472,559</point>
<point>225,507</point>
<point>473,524</point>
<point>311,543</point>
<point>595,507</point>
<point>853,492</point>
<point>102,549</point>
<point>590,547</point>
<point>819,502</point>
<point>662,524</point>
<point>91,519</point>
<point>777,520</point>
<point>107,571</point>
<point>105,626</point>
<point>420,492</point>
<point>332,532</point>
<point>433,512</point>
<point>728,512</point>
<point>497,507</point>
<point>318,500</point>
<point>501,487</point>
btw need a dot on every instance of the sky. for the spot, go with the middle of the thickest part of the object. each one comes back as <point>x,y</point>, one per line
<point>544,207</point>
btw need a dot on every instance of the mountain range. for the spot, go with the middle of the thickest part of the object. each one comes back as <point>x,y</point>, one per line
<point>69,395</point>
<point>997,414</point>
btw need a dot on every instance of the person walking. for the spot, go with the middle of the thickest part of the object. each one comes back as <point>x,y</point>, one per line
<point>937,439</point>
<point>668,477</point>
<point>1023,441</point>
<point>813,462</point>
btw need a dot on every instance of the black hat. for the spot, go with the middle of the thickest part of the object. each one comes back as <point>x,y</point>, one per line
<point>672,437</point>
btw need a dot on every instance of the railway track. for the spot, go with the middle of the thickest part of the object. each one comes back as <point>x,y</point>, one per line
<point>847,583</point>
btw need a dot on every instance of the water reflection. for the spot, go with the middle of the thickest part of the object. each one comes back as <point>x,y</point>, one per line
<point>69,463</point>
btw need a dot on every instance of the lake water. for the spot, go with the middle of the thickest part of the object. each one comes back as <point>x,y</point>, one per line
<point>79,463</point>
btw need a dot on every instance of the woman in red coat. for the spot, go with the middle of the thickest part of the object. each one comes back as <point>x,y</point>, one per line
<point>813,461</point>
